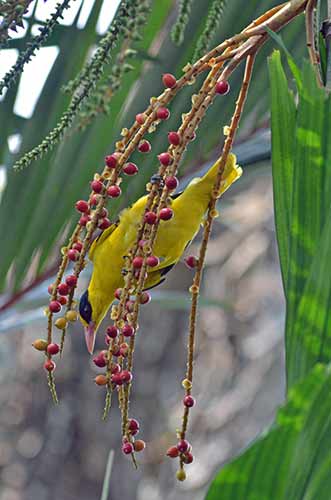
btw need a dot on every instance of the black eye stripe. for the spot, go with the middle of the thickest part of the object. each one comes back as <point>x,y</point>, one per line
<point>85,308</point>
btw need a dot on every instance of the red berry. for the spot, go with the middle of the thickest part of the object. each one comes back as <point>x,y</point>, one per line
<point>104,212</point>
<point>152,261</point>
<point>116,379</point>
<point>133,426</point>
<point>183,446</point>
<point>94,200</point>
<point>130,168</point>
<point>173,452</point>
<point>114,191</point>
<point>54,306</point>
<point>189,401</point>
<point>166,213</point>
<point>63,300</point>
<point>140,118</point>
<point>53,349</point>
<point>82,206</point>
<point>49,365</point>
<point>126,376</point>
<point>162,113</point>
<point>111,160</point>
<point>127,448</point>
<point>112,331</point>
<point>96,186</point>
<point>84,220</point>
<point>73,254</point>
<point>169,80</point>
<point>129,306</point>
<point>145,298</point>
<point>50,288</point>
<point>144,147</point>
<point>115,368</point>
<point>104,223</point>
<point>78,246</point>
<point>139,445</point>
<point>171,182</point>
<point>191,261</point>
<point>174,138</point>
<point>222,87</point>
<point>164,159</point>
<point>71,280</point>
<point>118,293</point>
<point>116,350</point>
<point>100,360</point>
<point>128,330</point>
<point>63,289</point>
<point>188,458</point>
<point>137,262</point>
<point>150,217</point>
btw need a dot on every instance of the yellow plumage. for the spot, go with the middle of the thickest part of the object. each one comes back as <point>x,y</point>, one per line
<point>173,236</point>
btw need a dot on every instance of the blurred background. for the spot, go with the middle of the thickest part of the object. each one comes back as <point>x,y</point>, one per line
<point>60,453</point>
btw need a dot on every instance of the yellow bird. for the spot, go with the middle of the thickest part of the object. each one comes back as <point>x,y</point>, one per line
<point>107,251</point>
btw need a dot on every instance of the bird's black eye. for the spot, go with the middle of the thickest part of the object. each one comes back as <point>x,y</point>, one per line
<point>85,308</point>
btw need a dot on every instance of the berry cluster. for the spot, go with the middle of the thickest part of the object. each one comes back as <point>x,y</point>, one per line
<point>116,360</point>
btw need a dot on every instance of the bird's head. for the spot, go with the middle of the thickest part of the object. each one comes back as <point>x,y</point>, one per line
<point>92,310</point>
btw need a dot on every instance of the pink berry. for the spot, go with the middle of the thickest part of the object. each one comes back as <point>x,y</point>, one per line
<point>54,306</point>
<point>63,289</point>
<point>140,118</point>
<point>114,191</point>
<point>71,280</point>
<point>144,147</point>
<point>128,330</point>
<point>129,306</point>
<point>84,220</point>
<point>126,376</point>
<point>173,452</point>
<point>118,293</point>
<point>174,138</point>
<point>96,186</point>
<point>50,288</point>
<point>152,261</point>
<point>78,246</point>
<point>49,365</point>
<point>73,255</point>
<point>63,300</point>
<point>188,458</point>
<point>82,206</point>
<point>137,262</point>
<point>189,401</point>
<point>124,349</point>
<point>165,159</point>
<point>104,212</point>
<point>116,350</point>
<point>150,217</point>
<point>127,448</point>
<point>162,113</point>
<point>111,160</point>
<point>112,331</point>
<point>133,426</point>
<point>183,446</point>
<point>145,298</point>
<point>169,80</point>
<point>115,368</point>
<point>222,87</point>
<point>130,168</point>
<point>53,349</point>
<point>104,223</point>
<point>191,261</point>
<point>171,182</point>
<point>166,213</point>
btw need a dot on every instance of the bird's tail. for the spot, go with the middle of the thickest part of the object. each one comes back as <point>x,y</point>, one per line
<point>231,173</point>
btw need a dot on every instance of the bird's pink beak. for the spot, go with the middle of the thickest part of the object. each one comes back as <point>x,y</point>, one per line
<point>90,334</point>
